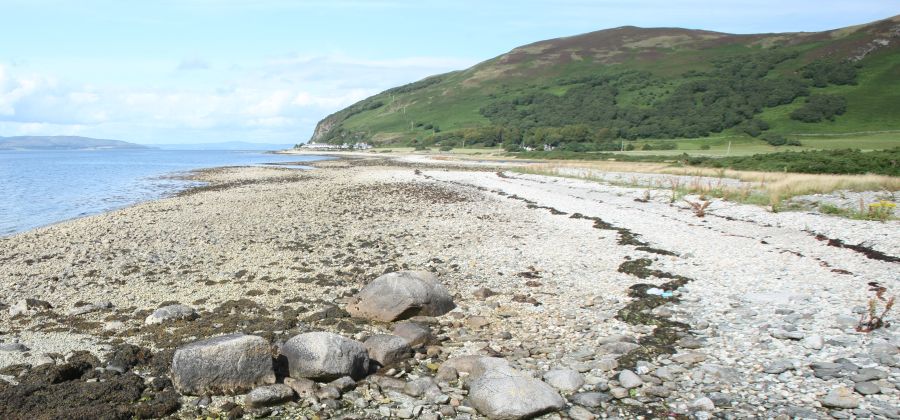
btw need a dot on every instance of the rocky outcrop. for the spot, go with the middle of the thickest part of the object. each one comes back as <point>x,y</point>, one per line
<point>324,356</point>
<point>228,364</point>
<point>401,295</point>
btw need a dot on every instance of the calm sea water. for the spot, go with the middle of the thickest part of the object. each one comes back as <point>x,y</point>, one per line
<point>38,188</point>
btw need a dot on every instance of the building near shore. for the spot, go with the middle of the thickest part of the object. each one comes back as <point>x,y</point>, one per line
<point>345,146</point>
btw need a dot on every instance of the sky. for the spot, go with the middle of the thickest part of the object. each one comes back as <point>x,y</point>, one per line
<point>266,71</point>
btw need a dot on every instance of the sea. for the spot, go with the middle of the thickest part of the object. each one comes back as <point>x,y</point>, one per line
<point>38,188</point>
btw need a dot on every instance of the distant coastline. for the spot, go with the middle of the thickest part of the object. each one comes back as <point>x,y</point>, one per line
<point>64,143</point>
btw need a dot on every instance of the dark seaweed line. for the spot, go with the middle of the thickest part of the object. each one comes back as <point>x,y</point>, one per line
<point>870,253</point>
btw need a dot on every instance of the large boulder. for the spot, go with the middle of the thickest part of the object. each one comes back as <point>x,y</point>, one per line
<point>230,364</point>
<point>401,295</point>
<point>387,349</point>
<point>500,392</point>
<point>325,356</point>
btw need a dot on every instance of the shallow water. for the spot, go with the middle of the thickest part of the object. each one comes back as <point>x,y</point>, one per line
<point>38,188</point>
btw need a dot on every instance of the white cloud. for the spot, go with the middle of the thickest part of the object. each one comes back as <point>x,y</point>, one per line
<point>277,100</point>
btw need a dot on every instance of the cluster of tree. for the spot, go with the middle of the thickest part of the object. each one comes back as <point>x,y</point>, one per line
<point>821,73</point>
<point>776,139</point>
<point>731,93</point>
<point>820,107</point>
<point>885,162</point>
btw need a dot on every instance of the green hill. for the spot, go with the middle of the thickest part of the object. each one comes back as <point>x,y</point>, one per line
<point>590,92</point>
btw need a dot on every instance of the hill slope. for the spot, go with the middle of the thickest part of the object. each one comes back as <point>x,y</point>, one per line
<point>62,143</point>
<point>635,83</point>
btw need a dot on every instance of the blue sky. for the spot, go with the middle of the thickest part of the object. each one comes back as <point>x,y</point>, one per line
<point>196,71</point>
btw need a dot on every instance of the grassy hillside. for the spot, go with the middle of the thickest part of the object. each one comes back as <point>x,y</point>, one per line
<point>705,89</point>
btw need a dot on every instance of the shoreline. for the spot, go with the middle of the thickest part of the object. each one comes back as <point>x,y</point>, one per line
<point>187,176</point>
<point>269,251</point>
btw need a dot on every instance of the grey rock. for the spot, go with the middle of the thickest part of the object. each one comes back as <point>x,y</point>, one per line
<point>629,379</point>
<point>620,347</point>
<point>325,356</point>
<point>13,347</point>
<point>414,334</point>
<point>387,349</point>
<point>565,380</point>
<point>721,374</point>
<point>228,364</point>
<point>29,307</point>
<point>269,395</point>
<point>446,374</point>
<point>171,313</point>
<point>421,386</point>
<point>780,366</point>
<point>581,413</point>
<point>814,342</point>
<point>328,392</point>
<point>305,388</point>
<point>703,404</point>
<point>343,384</point>
<point>590,399</point>
<point>657,391</point>
<point>689,358</point>
<point>664,373</point>
<point>868,374</point>
<point>513,397</point>
<point>401,295</point>
<point>618,393</point>
<point>867,388</point>
<point>840,398</point>
<point>690,343</point>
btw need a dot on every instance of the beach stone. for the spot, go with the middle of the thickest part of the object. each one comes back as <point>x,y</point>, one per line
<point>565,380</point>
<point>867,388</point>
<point>620,347</point>
<point>269,395</point>
<point>305,388</point>
<point>590,399</point>
<point>629,379</point>
<point>689,358</point>
<point>325,356</point>
<point>868,374</point>
<point>13,347</point>
<point>387,349</point>
<point>343,384</point>
<point>840,398</point>
<point>171,313</point>
<point>421,386</point>
<point>401,295</point>
<point>513,397</point>
<point>483,293</point>
<point>814,342</point>
<point>414,334</point>
<point>703,404</point>
<point>228,364</point>
<point>29,307</point>
<point>780,366</point>
<point>581,413</point>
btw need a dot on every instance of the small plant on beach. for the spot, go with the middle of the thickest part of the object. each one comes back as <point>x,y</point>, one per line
<point>699,207</point>
<point>674,184</point>
<point>881,210</point>
<point>872,319</point>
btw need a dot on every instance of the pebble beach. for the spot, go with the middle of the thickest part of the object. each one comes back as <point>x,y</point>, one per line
<point>612,301</point>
